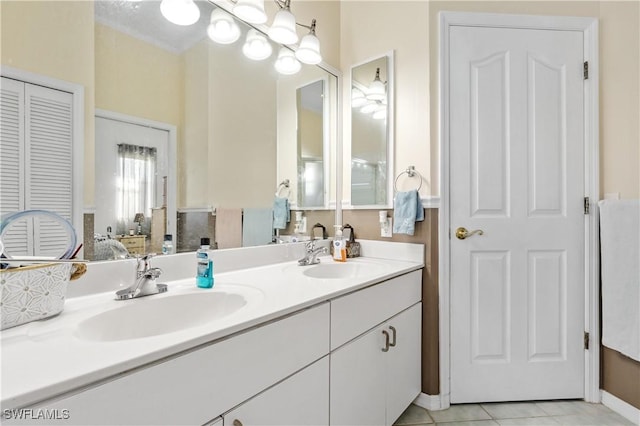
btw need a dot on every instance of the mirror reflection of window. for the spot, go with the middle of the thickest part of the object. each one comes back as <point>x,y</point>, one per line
<point>371,119</point>
<point>136,183</point>
<point>311,179</point>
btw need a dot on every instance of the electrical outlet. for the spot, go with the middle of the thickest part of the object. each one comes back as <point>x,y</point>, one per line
<point>386,229</point>
<point>303,225</point>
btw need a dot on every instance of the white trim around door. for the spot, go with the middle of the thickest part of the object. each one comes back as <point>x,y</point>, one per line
<point>77,92</point>
<point>172,158</point>
<point>589,27</point>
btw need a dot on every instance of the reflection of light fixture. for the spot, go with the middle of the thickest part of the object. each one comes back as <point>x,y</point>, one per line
<point>369,107</point>
<point>256,46</point>
<point>357,98</point>
<point>139,218</point>
<point>380,112</point>
<point>376,90</point>
<point>251,11</point>
<point>283,29</point>
<point>180,12</point>
<point>223,28</point>
<point>287,63</point>
<point>309,50</point>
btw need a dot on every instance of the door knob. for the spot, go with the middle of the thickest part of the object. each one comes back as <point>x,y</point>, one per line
<point>462,233</point>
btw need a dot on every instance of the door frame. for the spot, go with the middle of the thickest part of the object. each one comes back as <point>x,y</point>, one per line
<point>171,158</point>
<point>589,28</point>
<point>77,134</point>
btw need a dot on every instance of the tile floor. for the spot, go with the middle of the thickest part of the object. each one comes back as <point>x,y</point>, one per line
<point>515,413</point>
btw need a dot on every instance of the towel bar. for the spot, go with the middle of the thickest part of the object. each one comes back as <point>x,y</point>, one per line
<point>284,184</point>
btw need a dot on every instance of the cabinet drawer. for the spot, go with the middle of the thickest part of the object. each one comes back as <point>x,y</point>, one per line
<point>302,399</point>
<point>133,242</point>
<point>355,313</point>
<point>196,387</point>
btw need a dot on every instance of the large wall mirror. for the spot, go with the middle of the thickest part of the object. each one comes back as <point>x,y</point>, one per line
<point>201,127</point>
<point>372,133</point>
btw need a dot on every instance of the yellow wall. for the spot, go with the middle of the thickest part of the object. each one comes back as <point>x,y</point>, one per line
<point>137,78</point>
<point>33,35</point>
<point>370,29</point>
<point>410,28</point>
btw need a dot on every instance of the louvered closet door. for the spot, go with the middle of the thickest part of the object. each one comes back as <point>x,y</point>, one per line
<point>12,155</point>
<point>49,159</point>
<point>37,153</point>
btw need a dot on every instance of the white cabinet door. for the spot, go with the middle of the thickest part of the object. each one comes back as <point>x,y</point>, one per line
<point>302,399</point>
<point>403,361</point>
<point>370,386</point>
<point>358,381</point>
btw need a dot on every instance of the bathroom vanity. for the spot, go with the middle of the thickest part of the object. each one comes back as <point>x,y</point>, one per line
<point>277,344</point>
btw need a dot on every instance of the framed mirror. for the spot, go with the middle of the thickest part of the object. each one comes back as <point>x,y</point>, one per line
<point>371,161</point>
<point>313,145</point>
<point>232,119</point>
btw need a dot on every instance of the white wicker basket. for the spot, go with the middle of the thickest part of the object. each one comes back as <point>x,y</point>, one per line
<point>35,292</point>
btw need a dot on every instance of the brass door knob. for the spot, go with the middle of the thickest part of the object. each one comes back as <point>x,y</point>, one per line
<point>462,233</point>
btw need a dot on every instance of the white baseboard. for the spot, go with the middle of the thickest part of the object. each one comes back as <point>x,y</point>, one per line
<point>431,402</point>
<point>625,409</point>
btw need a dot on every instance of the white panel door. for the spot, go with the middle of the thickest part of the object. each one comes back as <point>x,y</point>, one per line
<point>516,173</point>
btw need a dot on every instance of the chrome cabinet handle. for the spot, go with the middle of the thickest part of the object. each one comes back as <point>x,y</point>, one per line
<point>393,338</point>
<point>462,233</point>
<point>386,341</point>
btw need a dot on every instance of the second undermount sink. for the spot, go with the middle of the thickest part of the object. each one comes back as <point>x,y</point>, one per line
<point>146,317</point>
<point>339,270</point>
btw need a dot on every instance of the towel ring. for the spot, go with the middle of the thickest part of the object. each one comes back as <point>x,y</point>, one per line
<point>411,172</point>
<point>283,185</point>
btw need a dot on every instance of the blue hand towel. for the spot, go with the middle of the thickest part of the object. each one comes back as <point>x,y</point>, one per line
<point>255,226</point>
<point>407,210</point>
<point>281,213</point>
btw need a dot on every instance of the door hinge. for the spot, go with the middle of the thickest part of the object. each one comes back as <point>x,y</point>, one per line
<point>586,340</point>
<point>585,70</point>
<point>586,205</point>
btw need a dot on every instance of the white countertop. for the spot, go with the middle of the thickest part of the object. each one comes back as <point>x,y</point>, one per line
<point>43,359</point>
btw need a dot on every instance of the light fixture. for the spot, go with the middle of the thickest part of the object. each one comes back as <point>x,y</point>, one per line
<point>357,98</point>
<point>287,63</point>
<point>251,11</point>
<point>376,90</point>
<point>369,107</point>
<point>139,218</point>
<point>256,46</point>
<point>309,50</point>
<point>283,29</point>
<point>223,28</point>
<point>180,12</point>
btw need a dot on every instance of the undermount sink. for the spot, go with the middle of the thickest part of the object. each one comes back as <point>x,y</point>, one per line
<point>339,270</point>
<point>146,317</point>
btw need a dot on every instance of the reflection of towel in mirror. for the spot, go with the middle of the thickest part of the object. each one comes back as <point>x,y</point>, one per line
<point>407,210</point>
<point>228,228</point>
<point>256,227</point>
<point>281,213</point>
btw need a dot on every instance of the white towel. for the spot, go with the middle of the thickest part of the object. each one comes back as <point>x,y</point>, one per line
<point>407,210</point>
<point>256,227</point>
<point>620,270</point>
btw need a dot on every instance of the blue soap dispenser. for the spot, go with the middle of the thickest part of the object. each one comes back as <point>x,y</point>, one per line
<point>204,272</point>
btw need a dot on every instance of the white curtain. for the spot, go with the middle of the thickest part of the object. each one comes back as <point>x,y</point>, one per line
<point>136,184</point>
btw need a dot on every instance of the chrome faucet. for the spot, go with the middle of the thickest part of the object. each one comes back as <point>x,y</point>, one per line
<point>311,256</point>
<point>145,284</point>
